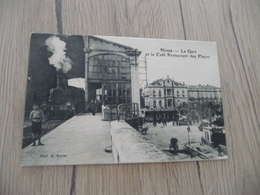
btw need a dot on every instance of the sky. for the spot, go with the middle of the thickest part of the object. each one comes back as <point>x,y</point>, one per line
<point>162,62</point>
<point>192,71</point>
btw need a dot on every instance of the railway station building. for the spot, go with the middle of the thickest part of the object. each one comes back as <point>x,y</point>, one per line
<point>111,72</point>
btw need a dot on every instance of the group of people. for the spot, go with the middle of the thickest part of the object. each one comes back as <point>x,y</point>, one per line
<point>164,120</point>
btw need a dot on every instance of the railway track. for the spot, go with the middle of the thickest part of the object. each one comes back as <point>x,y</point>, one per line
<point>200,154</point>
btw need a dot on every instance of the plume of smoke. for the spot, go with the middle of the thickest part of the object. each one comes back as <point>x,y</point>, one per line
<point>58,59</point>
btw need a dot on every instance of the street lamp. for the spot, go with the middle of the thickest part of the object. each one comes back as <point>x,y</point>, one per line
<point>188,129</point>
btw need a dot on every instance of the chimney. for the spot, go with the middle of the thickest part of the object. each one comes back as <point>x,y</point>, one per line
<point>62,82</point>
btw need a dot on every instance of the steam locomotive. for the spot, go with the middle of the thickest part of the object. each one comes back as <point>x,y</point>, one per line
<point>64,101</point>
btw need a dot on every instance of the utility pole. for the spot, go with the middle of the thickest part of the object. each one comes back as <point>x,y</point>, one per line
<point>145,64</point>
<point>142,78</point>
<point>143,73</point>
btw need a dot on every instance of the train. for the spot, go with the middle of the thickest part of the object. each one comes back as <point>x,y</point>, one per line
<point>64,103</point>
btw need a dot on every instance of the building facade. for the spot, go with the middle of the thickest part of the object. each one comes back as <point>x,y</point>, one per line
<point>111,72</point>
<point>205,100</point>
<point>198,101</point>
<point>165,94</point>
<point>204,92</point>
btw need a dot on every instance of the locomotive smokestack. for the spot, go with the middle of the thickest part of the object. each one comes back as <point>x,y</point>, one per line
<point>62,81</point>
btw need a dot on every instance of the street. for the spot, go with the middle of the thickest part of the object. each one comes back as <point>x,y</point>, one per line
<point>161,135</point>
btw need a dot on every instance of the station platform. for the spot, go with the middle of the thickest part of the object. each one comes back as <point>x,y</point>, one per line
<point>80,140</point>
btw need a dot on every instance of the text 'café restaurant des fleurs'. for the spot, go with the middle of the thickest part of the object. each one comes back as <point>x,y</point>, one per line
<point>111,72</point>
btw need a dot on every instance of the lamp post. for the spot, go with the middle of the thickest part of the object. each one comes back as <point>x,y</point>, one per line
<point>188,129</point>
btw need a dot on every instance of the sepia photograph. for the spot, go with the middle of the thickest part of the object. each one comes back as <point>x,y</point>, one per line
<point>106,100</point>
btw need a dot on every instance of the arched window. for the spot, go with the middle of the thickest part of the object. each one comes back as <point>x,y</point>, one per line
<point>154,104</point>
<point>111,67</point>
<point>160,103</point>
<point>154,93</point>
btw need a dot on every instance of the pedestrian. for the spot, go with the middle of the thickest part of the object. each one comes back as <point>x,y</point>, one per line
<point>202,140</point>
<point>142,118</point>
<point>178,119</point>
<point>219,151</point>
<point>36,117</point>
<point>174,144</point>
<point>92,107</point>
<point>188,129</point>
<point>154,120</point>
<point>164,120</point>
<point>103,107</point>
<point>98,105</point>
<point>173,121</point>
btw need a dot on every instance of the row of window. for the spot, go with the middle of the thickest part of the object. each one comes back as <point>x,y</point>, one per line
<point>207,90</point>
<point>154,104</point>
<point>160,103</point>
<point>109,60</point>
<point>212,95</point>
<point>117,100</point>
<point>118,93</point>
<point>109,67</point>
<point>168,92</point>
<point>109,70</point>
<point>178,94</point>
<point>123,76</point>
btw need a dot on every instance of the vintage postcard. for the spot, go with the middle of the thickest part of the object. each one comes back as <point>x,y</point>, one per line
<point>108,100</point>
